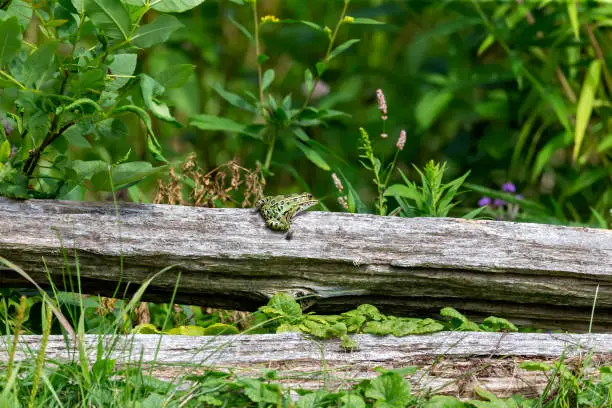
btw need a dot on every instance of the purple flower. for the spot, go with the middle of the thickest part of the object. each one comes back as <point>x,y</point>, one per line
<point>509,187</point>
<point>498,202</point>
<point>484,201</point>
<point>401,141</point>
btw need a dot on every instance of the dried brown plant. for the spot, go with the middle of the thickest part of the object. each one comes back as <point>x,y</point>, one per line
<point>219,187</point>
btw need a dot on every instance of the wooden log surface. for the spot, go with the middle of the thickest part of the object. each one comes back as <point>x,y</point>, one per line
<point>449,362</point>
<point>530,273</point>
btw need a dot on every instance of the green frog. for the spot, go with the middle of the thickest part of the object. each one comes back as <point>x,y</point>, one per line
<point>279,210</point>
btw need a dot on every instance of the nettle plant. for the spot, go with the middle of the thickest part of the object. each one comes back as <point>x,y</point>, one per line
<point>67,81</point>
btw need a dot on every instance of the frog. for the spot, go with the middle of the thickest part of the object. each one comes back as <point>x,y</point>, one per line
<point>279,210</point>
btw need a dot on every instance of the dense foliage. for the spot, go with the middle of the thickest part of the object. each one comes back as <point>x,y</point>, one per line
<point>98,95</point>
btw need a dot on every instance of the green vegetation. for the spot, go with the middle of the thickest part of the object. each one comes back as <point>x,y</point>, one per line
<point>466,108</point>
<point>104,95</point>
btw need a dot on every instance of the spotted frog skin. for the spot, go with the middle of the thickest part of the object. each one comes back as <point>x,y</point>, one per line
<point>279,210</point>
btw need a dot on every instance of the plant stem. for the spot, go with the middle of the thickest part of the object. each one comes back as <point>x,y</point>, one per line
<point>257,52</point>
<point>329,50</point>
<point>271,148</point>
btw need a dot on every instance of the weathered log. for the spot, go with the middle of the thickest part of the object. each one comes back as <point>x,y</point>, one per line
<point>535,274</point>
<point>449,363</point>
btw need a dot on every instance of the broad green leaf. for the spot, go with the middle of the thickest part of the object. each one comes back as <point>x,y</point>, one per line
<point>186,331</point>
<point>217,329</point>
<point>121,69</point>
<point>585,104</point>
<point>341,48</point>
<point>431,106</point>
<point>73,192</point>
<point>157,32</point>
<point>150,89</point>
<point>20,9</point>
<point>352,400</point>
<point>308,80</point>
<point>175,6</point>
<point>124,175</point>
<point>85,169</point>
<point>10,39</point>
<point>74,136</point>
<point>79,6</point>
<point>444,401</point>
<point>110,16</point>
<point>38,65</point>
<point>211,122</point>
<point>403,191</point>
<point>268,77</point>
<point>313,156</point>
<point>175,76</point>
<point>390,390</point>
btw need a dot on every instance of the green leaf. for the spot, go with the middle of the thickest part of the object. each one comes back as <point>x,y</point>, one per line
<point>431,106</point>
<point>175,6</point>
<point>85,169</point>
<point>572,11</point>
<point>38,65</point>
<point>341,48</point>
<point>406,191</point>
<point>584,180</point>
<point>175,76</point>
<point>363,20</point>
<point>218,329</point>
<point>123,66</point>
<point>390,390</point>
<point>536,366</point>
<point>585,104</point>
<point>474,213</point>
<point>110,16</point>
<point>444,401</point>
<point>10,38</point>
<point>124,175</point>
<point>20,9</point>
<point>157,32</point>
<point>308,80</point>
<point>352,400</point>
<point>313,156</point>
<point>241,28</point>
<point>268,77</point>
<point>234,99</point>
<point>211,122</point>
<point>74,136</point>
<point>5,151</point>
<point>186,331</point>
<point>152,143</point>
<point>150,89</point>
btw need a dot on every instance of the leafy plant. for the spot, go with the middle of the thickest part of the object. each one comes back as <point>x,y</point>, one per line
<point>76,88</point>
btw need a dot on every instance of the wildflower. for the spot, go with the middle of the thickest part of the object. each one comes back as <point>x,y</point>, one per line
<point>349,19</point>
<point>509,187</point>
<point>382,103</point>
<point>337,182</point>
<point>498,202</point>
<point>327,31</point>
<point>269,19</point>
<point>401,141</point>
<point>384,135</point>
<point>484,201</point>
<point>342,202</point>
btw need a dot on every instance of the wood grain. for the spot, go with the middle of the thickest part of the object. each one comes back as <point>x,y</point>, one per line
<point>449,362</point>
<point>533,274</point>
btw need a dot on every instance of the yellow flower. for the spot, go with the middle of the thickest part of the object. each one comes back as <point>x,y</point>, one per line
<point>269,19</point>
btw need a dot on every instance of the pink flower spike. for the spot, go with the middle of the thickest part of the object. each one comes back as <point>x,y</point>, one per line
<point>337,182</point>
<point>401,141</point>
<point>382,103</point>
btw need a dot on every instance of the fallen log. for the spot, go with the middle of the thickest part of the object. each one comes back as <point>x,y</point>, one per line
<point>448,363</point>
<point>540,275</point>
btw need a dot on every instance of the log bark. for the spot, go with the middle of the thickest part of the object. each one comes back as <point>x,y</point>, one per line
<point>541,275</point>
<point>448,363</point>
